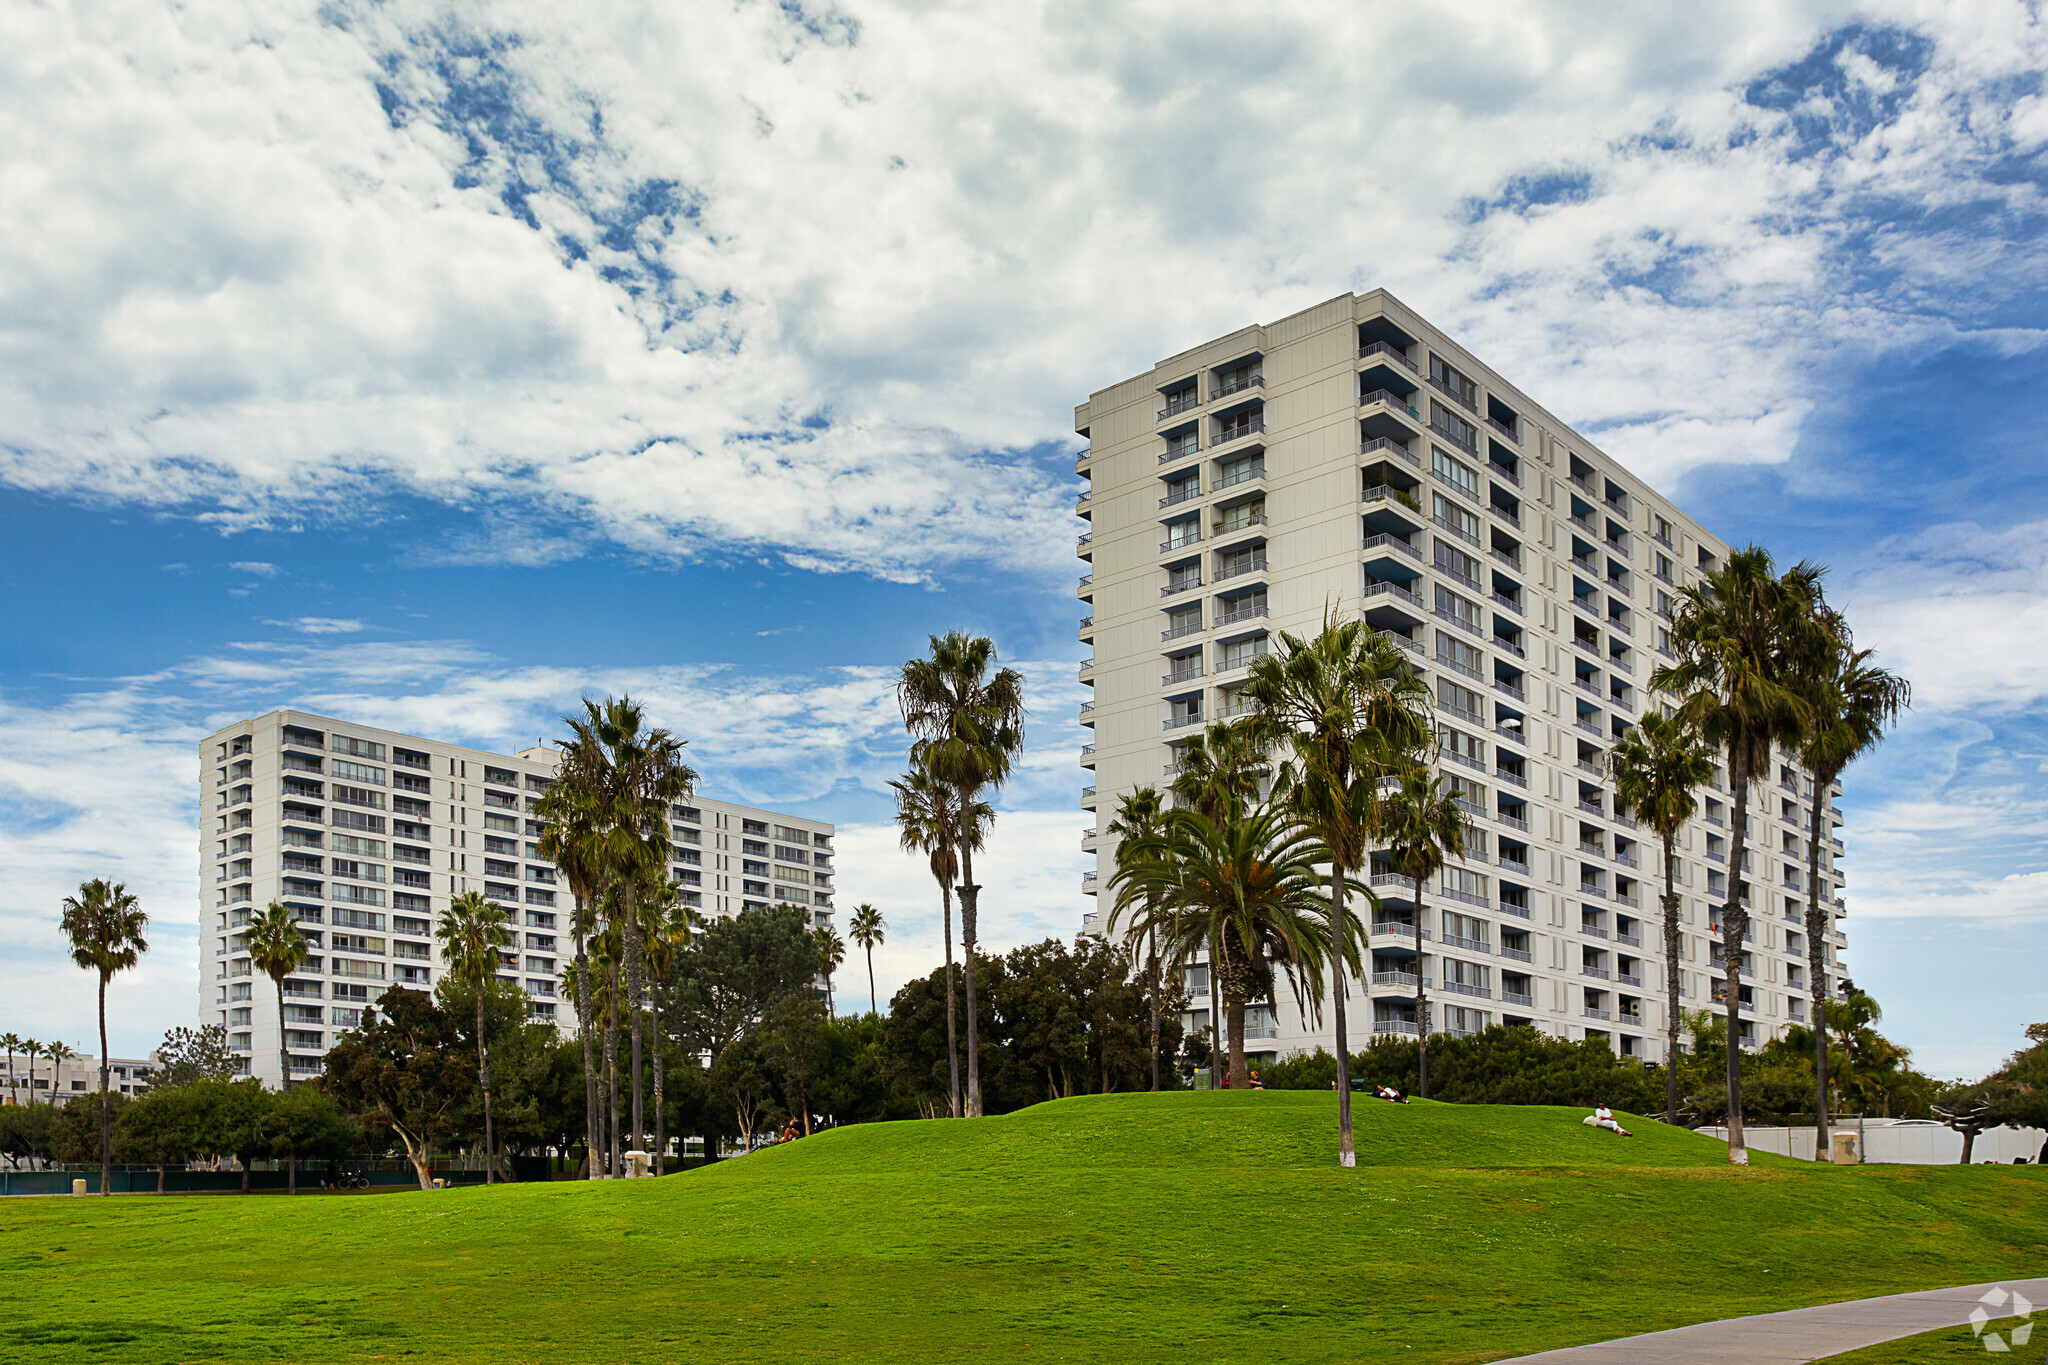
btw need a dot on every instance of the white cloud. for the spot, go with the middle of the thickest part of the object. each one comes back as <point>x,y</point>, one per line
<point>321,625</point>
<point>255,567</point>
<point>275,263</point>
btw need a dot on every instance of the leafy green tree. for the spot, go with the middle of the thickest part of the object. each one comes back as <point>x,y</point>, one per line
<point>1424,827</point>
<point>104,925</point>
<point>306,1123</point>
<point>402,1073</point>
<point>869,928</point>
<point>160,1127</point>
<point>187,1055</point>
<point>931,821</point>
<point>831,957</point>
<point>1657,766</point>
<point>734,970</point>
<point>1850,702</point>
<point>76,1133</point>
<point>278,949</point>
<point>969,726</point>
<point>25,1132</point>
<point>1350,706</point>
<point>1250,887</point>
<point>1743,636</point>
<point>472,932</point>
<point>237,1122</point>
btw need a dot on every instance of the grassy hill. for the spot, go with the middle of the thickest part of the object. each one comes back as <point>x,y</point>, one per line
<point>1191,1227</point>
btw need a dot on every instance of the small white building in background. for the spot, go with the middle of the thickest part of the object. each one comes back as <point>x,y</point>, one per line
<point>366,834</point>
<point>1908,1142</point>
<point>75,1077</point>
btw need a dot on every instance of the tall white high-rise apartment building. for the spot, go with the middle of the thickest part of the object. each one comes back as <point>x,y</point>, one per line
<point>367,834</point>
<point>1353,459</point>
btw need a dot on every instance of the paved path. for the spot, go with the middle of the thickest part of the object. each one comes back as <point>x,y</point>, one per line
<point>1799,1335</point>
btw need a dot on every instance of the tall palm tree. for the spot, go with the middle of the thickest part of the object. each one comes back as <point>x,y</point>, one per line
<point>278,949</point>
<point>473,933</point>
<point>928,821</point>
<point>573,843</point>
<point>1657,766</point>
<point>606,951</point>
<point>635,775</point>
<point>1138,816</point>
<point>31,1049</point>
<point>104,925</point>
<point>1251,888</point>
<point>1220,773</point>
<point>969,724</point>
<point>1424,827</point>
<point>1742,638</point>
<point>11,1042</point>
<point>867,927</point>
<point>56,1054</point>
<point>831,957</point>
<point>1346,702</point>
<point>1851,702</point>
<point>669,926</point>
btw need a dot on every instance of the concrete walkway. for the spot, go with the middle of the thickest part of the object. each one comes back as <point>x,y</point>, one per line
<point>1800,1334</point>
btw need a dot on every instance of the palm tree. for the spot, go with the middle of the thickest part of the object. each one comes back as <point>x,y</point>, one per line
<point>104,924</point>
<point>1424,827</point>
<point>634,775</point>
<point>31,1049</point>
<point>970,728</point>
<point>1220,770</point>
<point>605,947</point>
<point>571,841</point>
<point>1138,816</point>
<point>831,957</point>
<point>1742,637</point>
<point>11,1042</point>
<point>278,949</point>
<point>472,934</point>
<point>1251,888</point>
<point>1851,702</point>
<point>56,1054</point>
<point>1346,702</point>
<point>1657,766</point>
<point>669,925</point>
<point>929,822</point>
<point>867,927</point>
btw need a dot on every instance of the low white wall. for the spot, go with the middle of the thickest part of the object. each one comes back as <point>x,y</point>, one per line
<point>1910,1142</point>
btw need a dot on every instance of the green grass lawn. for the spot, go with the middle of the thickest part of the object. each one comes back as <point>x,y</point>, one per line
<point>1947,1346</point>
<point>1189,1227</point>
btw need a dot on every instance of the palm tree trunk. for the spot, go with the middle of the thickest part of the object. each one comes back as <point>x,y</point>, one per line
<point>1816,970</point>
<point>631,945</point>
<point>483,1080</point>
<point>873,1008</point>
<point>1240,1074</point>
<point>611,1068</point>
<point>660,1080</point>
<point>1152,982</point>
<point>952,1044</point>
<point>106,1109</point>
<point>1734,919</point>
<point>1215,1016</point>
<point>591,1115</point>
<point>1421,1006</point>
<point>284,1055</point>
<point>1670,987</point>
<point>970,905</point>
<point>1346,1155</point>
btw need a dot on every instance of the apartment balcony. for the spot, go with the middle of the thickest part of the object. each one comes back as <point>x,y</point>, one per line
<point>1236,385</point>
<point>1181,675</point>
<point>1460,988</point>
<point>1457,532</point>
<point>1180,632</point>
<point>1630,1020</point>
<point>1398,928</point>
<point>1514,998</point>
<point>1513,779</point>
<point>1254,564</point>
<point>1172,723</point>
<point>1081,502</point>
<point>1087,583</point>
<point>1237,525</point>
<point>1087,710</point>
<point>1395,591</point>
<point>1386,492</point>
<point>1625,979</point>
<point>1399,544</point>
<point>1176,589</point>
<point>1179,450</point>
<point>1590,929</point>
<point>1231,618</point>
<point>1251,473</point>
<point>1087,794</point>
<point>1514,864</point>
<point>1086,627</point>
<point>1628,859</point>
<point>1187,400</point>
<point>1238,431</point>
<point>1084,457</point>
<point>1403,1026</point>
<point>1502,599</point>
<point>1376,444</point>
<point>1470,945</point>
<point>1404,980</point>
<point>1399,357</point>
<point>1513,822</point>
<point>1087,667</point>
<point>1592,1013</point>
<point>1518,954</point>
<point>1081,544</point>
<point>1587,725</point>
<point>1597,973</point>
<point>1167,547</point>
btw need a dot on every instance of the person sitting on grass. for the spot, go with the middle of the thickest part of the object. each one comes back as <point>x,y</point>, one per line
<point>1603,1117</point>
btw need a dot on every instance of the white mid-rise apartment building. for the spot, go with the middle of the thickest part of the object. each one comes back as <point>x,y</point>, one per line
<point>367,834</point>
<point>1352,458</point>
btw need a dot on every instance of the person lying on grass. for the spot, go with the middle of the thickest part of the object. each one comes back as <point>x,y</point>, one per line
<point>1603,1117</point>
<point>1389,1094</point>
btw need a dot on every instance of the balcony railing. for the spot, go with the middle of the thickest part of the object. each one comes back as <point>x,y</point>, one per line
<point>1180,542</point>
<point>1186,585</point>
<point>1460,988</point>
<point>1191,628</point>
<point>1398,543</point>
<point>1237,431</point>
<point>1231,618</point>
<point>1254,564</point>
<point>1392,353</point>
<point>1236,384</point>
<point>1185,401</point>
<point>1591,929</point>
<point>1592,1013</point>
<point>1230,526</point>
<point>1392,400</point>
<point>1518,955</point>
<point>1387,443</point>
<point>1386,589</point>
<point>1171,723</point>
<point>1179,450</point>
<point>1386,492</point>
<point>1406,1026</point>
<point>1181,675</point>
<point>1404,979</point>
<point>1597,973</point>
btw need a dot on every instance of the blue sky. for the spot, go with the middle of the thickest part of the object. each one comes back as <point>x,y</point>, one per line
<point>436,364</point>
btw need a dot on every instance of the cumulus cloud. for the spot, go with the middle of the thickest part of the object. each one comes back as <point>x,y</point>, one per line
<point>830,292</point>
<point>254,567</point>
<point>321,625</point>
